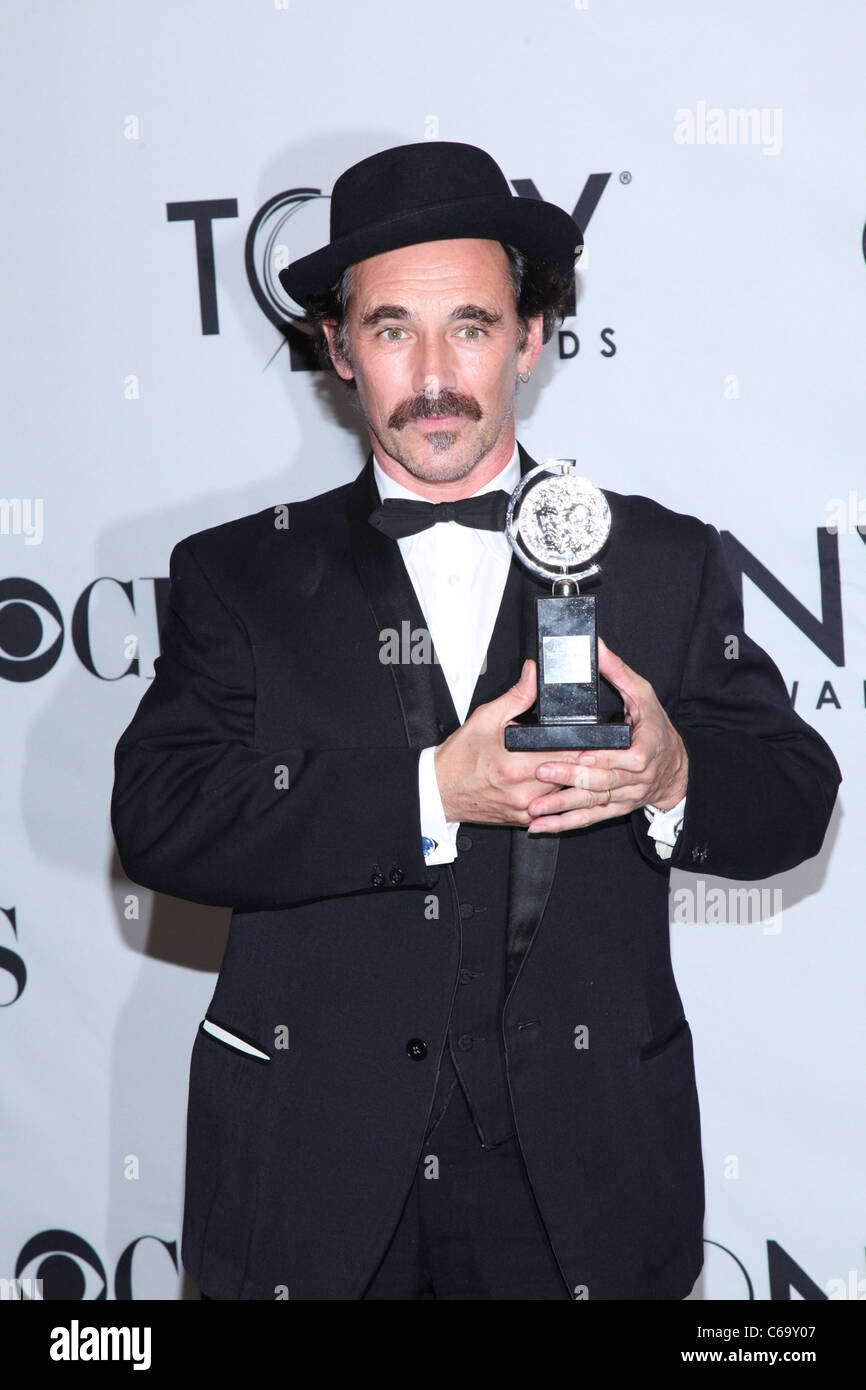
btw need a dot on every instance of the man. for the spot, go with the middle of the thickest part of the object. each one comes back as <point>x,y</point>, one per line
<point>446,1056</point>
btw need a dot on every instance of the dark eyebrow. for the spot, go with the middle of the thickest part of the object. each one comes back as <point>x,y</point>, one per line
<point>384,311</point>
<point>474,311</point>
<point>399,311</point>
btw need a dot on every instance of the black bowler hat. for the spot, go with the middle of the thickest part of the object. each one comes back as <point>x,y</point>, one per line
<point>431,191</point>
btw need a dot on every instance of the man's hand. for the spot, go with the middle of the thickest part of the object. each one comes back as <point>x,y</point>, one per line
<point>607,783</point>
<point>480,781</point>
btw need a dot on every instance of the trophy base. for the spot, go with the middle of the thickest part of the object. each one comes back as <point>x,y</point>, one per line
<point>539,737</point>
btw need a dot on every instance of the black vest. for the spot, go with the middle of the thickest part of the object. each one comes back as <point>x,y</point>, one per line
<point>475,1050</point>
<point>506,875</point>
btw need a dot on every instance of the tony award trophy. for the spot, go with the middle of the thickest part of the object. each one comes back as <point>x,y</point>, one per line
<point>556,522</point>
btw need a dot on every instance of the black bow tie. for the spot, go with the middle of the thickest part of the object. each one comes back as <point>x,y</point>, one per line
<point>398,516</point>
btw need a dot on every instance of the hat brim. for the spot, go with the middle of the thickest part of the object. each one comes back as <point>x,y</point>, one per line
<point>540,230</point>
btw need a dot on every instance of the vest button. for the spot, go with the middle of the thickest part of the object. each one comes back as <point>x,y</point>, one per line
<point>466,1042</point>
<point>466,909</point>
<point>396,875</point>
<point>464,841</point>
<point>377,878</point>
<point>416,1049</point>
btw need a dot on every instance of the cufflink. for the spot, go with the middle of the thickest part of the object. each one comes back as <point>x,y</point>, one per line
<point>428,845</point>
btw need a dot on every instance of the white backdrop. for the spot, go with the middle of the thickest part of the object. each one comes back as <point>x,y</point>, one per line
<point>724,263</point>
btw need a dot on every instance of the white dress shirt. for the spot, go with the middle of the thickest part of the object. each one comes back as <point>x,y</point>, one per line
<point>459,576</point>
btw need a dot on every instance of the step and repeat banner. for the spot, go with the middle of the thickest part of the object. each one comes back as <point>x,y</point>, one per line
<point>162,162</point>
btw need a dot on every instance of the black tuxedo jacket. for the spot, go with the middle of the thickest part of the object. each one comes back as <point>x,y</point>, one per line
<point>272,766</point>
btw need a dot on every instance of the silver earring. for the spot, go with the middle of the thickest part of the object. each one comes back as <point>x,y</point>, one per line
<point>524,376</point>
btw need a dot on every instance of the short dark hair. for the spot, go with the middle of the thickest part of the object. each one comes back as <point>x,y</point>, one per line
<point>537,287</point>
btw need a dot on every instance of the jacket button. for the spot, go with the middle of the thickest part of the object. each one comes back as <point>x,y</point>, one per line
<point>377,878</point>
<point>464,841</point>
<point>417,1049</point>
<point>396,875</point>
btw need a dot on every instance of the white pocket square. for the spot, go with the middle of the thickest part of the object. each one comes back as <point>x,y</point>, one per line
<point>223,1035</point>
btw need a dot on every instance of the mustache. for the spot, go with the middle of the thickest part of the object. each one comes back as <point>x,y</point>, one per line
<point>422,407</point>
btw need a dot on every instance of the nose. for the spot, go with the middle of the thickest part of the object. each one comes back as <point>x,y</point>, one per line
<point>433,368</point>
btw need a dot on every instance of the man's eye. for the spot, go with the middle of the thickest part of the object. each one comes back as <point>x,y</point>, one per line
<point>386,332</point>
<point>473,331</point>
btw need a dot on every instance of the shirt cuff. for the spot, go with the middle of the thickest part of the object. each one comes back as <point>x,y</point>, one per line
<point>665,826</point>
<point>438,836</point>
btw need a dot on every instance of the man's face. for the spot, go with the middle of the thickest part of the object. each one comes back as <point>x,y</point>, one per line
<point>433,347</point>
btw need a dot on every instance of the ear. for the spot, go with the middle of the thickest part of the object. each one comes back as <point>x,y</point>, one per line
<point>528,355</point>
<point>341,366</point>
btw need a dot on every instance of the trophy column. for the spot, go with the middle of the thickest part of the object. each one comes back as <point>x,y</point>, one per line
<point>557,521</point>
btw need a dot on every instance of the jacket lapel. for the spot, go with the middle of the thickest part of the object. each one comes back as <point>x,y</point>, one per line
<point>422,688</point>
